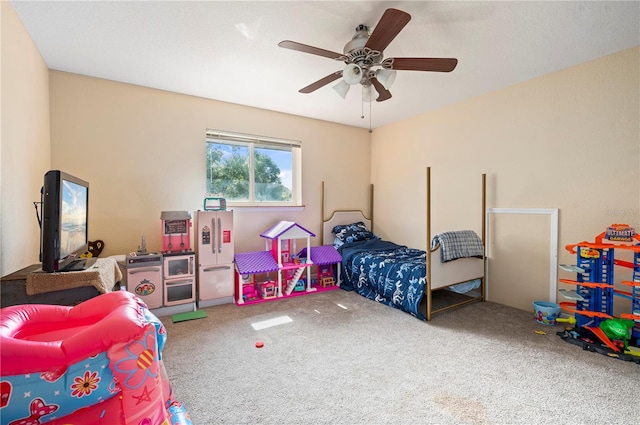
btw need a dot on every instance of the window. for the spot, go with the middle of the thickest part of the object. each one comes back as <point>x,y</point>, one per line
<point>253,170</point>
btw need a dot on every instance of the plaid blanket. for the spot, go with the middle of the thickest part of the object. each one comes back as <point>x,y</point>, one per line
<point>458,244</point>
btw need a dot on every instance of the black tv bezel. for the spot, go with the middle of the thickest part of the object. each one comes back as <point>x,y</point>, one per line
<point>51,222</point>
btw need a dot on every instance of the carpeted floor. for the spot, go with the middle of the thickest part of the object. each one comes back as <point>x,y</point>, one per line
<point>338,358</point>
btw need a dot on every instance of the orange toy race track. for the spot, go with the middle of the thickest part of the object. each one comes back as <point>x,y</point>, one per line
<point>568,307</point>
<point>587,284</point>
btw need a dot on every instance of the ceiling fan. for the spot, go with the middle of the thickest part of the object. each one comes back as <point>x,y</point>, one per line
<point>364,60</point>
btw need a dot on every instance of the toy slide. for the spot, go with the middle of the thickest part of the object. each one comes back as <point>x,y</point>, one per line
<point>603,337</point>
<point>96,363</point>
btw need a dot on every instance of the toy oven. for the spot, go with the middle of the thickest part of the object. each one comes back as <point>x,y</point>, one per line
<point>179,279</point>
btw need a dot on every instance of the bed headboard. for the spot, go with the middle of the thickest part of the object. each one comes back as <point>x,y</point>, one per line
<point>342,217</point>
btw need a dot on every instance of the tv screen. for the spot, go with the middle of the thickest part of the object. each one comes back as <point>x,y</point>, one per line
<point>65,212</point>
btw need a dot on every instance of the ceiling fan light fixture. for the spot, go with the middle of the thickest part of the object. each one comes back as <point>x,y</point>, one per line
<point>386,77</point>
<point>364,54</point>
<point>342,88</point>
<point>359,40</point>
<point>352,74</point>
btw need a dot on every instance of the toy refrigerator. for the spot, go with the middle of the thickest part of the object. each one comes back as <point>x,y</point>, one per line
<point>214,248</point>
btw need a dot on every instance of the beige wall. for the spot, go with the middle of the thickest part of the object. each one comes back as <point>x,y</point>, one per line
<point>24,140</point>
<point>143,152</point>
<point>568,140</point>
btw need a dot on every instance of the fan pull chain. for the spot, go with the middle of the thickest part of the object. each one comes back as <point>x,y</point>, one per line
<point>362,106</point>
<point>370,129</point>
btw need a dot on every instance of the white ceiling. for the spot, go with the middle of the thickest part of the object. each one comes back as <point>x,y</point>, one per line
<point>228,50</point>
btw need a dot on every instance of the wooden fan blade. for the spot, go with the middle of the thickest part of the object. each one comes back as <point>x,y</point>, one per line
<point>424,64</point>
<point>383,94</point>
<point>321,82</point>
<point>288,44</point>
<point>391,23</point>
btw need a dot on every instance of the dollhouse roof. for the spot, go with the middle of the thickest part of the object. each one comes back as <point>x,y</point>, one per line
<point>322,255</point>
<point>286,230</point>
<point>255,262</point>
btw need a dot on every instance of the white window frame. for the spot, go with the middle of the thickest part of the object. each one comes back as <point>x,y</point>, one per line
<point>250,141</point>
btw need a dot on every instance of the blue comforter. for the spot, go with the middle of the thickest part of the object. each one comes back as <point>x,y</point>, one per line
<point>385,272</point>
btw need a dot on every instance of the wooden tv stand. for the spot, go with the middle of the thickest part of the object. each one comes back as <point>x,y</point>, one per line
<point>13,287</point>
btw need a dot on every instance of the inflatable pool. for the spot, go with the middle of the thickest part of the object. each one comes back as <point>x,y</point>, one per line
<point>99,362</point>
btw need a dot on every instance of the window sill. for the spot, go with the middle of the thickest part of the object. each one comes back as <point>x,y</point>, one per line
<point>265,208</point>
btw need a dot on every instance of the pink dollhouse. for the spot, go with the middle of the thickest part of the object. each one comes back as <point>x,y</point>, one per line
<point>279,257</point>
<point>283,238</point>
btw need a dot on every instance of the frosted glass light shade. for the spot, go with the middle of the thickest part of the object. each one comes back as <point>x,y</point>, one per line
<point>342,88</point>
<point>386,77</point>
<point>352,74</point>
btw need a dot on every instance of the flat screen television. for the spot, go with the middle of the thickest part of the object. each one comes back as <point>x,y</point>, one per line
<point>65,215</point>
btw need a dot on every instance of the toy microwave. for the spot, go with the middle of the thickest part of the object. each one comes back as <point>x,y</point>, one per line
<point>215,204</point>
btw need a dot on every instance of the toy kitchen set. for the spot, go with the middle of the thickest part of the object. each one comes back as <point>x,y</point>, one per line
<point>166,280</point>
